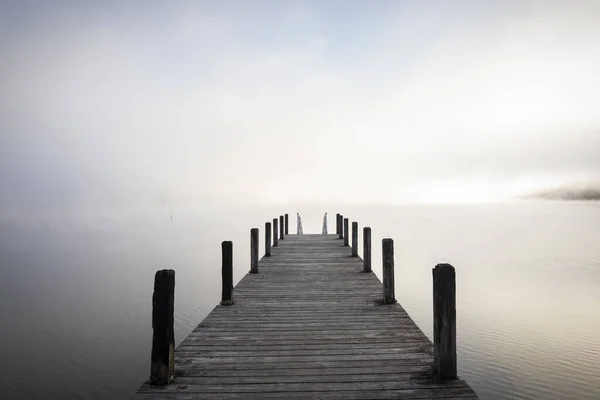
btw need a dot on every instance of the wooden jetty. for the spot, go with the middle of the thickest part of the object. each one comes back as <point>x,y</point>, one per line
<point>310,321</point>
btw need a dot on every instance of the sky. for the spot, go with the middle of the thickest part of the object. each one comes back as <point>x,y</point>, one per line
<point>295,101</point>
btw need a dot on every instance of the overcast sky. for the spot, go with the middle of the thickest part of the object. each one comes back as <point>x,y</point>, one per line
<point>296,100</point>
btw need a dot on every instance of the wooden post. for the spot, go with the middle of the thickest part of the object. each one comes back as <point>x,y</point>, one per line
<point>286,224</point>
<point>162,361</point>
<point>387,254</point>
<point>355,239</point>
<point>366,249</point>
<point>299,230</point>
<point>267,239</point>
<point>253,250</point>
<point>345,232</point>
<point>281,227</point>
<point>444,321</point>
<point>275,232</point>
<point>337,223</point>
<point>227,273</point>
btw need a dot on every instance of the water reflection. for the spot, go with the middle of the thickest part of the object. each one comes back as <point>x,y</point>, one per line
<point>75,293</point>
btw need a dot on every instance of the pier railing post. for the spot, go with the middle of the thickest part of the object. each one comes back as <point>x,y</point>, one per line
<point>346,232</point>
<point>227,273</point>
<point>267,239</point>
<point>286,225</point>
<point>253,250</point>
<point>354,239</point>
<point>337,223</point>
<point>162,361</point>
<point>387,254</point>
<point>366,249</point>
<point>444,321</point>
<point>341,227</point>
<point>281,228</point>
<point>275,233</point>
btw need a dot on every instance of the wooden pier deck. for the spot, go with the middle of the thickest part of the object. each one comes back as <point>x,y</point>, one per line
<point>309,325</point>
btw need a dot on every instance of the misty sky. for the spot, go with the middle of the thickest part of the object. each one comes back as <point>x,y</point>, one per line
<point>273,101</point>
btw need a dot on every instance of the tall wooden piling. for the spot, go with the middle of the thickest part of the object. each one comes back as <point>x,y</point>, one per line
<point>267,239</point>
<point>275,233</point>
<point>346,232</point>
<point>227,273</point>
<point>281,228</point>
<point>253,250</point>
<point>366,249</point>
<point>286,224</point>
<point>387,254</point>
<point>162,362</point>
<point>340,227</point>
<point>444,321</point>
<point>354,239</point>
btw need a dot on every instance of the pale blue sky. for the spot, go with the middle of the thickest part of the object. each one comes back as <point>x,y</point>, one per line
<point>461,100</point>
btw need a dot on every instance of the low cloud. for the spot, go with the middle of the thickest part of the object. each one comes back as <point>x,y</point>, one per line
<point>301,101</point>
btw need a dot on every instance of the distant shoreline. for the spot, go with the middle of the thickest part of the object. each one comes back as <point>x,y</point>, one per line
<point>568,195</point>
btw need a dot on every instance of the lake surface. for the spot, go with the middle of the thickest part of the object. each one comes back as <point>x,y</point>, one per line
<point>75,291</point>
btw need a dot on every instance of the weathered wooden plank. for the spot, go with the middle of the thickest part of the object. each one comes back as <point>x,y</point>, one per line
<point>200,358</point>
<point>240,346</point>
<point>303,387</point>
<point>229,340</point>
<point>234,379</point>
<point>297,372</point>
<point>367,365</point>
<point>297,328</point>
<point>394,323</point>
<point>297,336</point>
<point>190,351</point>
<point>432,393</point>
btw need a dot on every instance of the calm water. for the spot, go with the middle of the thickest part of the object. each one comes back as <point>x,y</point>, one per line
<point>75,292</point>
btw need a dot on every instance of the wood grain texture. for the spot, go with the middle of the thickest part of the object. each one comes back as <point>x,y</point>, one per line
<point>227,273</point>
<point>162,365</point>
<point>355,239</point>
<point>310,325</point>
<point>254,250</point>
<point>267,239</point>
<point>444,321</point>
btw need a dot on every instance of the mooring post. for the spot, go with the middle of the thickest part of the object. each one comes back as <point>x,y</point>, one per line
<point>281,227</point>
<point>341,227</point>
<point>387,255</point>
<point>444,321</point>
<point>162,361</point>
<point>253,250</point>
<point>227,273</point>
<point>366,249</point>
<point>299,230</point>
<point>354,239</point>
<point>346,232</point>
<point>337,223</point>
<point>275,232</point>
<point>286,224</point>
<point>267,239</point>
